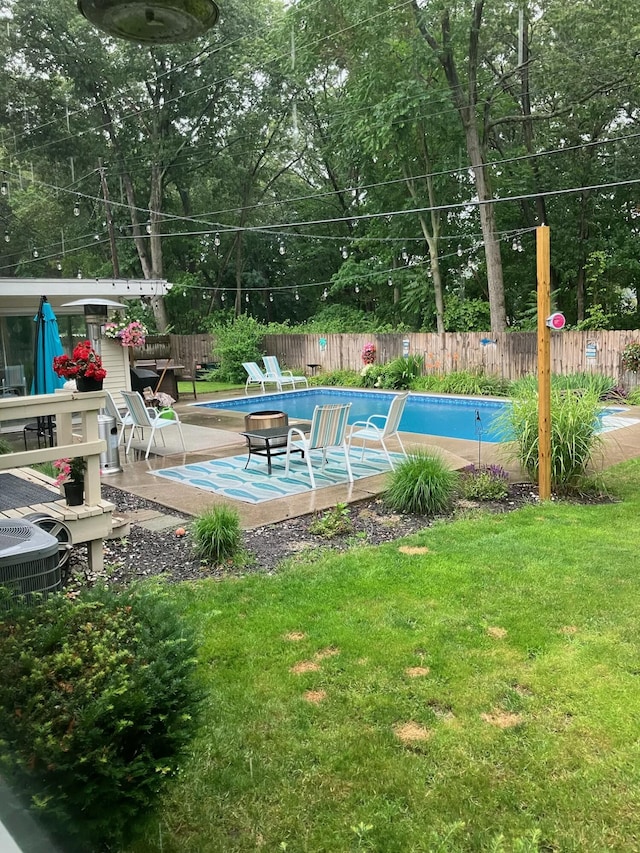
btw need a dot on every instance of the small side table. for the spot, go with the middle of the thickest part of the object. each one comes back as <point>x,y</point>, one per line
<point>313,368</point>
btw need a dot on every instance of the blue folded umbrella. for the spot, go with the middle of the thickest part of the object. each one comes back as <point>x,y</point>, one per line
<point>47,346</point>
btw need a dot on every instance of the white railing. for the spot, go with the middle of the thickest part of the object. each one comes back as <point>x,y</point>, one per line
<point>60,406</point>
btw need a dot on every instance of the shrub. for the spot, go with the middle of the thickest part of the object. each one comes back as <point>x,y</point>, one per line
<point>5,447</point>
<point>631,357</point>
<point>345,378</point>
<point>463,382</point>
<point>216,534</point>
<point>334,522</point>
<point>238,340</point>
<point>98,701</point>
<point>485,483</point>
<point>574,437</point>
<point>400,373</point>
<point>633,397</point>
<point>422,484</point>
<point>592,383</point>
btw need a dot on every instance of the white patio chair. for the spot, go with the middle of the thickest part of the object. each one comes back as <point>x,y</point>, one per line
<point>257,377</point>
<point>381,427</point>
<point>122,419</point>
<point>328,430</point>
<point>283,377</point>
<point>146,417</point>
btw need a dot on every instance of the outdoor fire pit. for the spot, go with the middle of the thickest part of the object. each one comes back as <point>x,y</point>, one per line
<point>266,420</point>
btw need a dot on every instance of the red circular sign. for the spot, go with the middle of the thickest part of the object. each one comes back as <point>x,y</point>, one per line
<point>556,321</point>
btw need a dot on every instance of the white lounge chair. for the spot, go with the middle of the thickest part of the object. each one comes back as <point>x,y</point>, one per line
<point>283,377</point>
<point>328,429</point>
<point>146,417</point>
<point>381,427</point>
<point>257,377</point>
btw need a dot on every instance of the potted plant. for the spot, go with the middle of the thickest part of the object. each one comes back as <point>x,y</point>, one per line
<point>71,478</point>
<point>84,365</point>
<point>369,353</point>
<point>131,334</point>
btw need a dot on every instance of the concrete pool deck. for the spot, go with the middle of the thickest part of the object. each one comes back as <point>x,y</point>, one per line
<point>214,433</point>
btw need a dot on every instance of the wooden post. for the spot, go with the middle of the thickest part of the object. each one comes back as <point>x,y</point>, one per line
<point>544,362</point>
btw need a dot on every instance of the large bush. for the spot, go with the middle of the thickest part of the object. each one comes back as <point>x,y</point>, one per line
<point>237,340</point>
<point>574,435</point>
<point>98,699</point>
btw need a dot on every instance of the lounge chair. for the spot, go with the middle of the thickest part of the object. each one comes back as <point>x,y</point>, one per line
<point>283,377</point>
<point>381,427</point>
<point>257,377</point>
<point>122,419</point>
<point>328,430</point>
<point>146,417</point>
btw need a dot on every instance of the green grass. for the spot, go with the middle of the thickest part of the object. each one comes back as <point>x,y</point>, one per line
<point>206,387</point>
<point>530,618</point>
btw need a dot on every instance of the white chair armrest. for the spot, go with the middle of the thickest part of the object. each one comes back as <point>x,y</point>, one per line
<point>293,430</point>
<point>287,373</point>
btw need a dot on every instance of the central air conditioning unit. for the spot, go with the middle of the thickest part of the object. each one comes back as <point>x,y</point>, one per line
<point>29,560</point>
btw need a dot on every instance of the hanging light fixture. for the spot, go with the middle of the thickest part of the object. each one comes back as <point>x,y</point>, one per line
<point>151,21</point>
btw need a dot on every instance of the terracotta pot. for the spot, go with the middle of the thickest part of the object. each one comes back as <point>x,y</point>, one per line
<point>83,383</point>
<point>74,492</point>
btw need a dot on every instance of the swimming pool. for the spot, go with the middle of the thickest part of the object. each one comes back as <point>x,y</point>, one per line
<point>451,417</point>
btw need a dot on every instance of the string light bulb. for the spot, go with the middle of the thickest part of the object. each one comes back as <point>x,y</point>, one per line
<point>222,297</point>
<point>357,288</point>
<point>282,248</point>
<point>271,297</point>
<point>59,266</point>
<point>297,296</point>
<point>76,209</point>
<point>344,252</point>
<point>79,274</point>
<point>148,226</point>
<point>459,250</point>
<point>216,240</point>
<point>404,255</point>
<point>35,253</point>
<point>514,245</point>
<point>390,281</point>
<point>246,298</point>
<point>325,293</point>
<point>7,237</point>
<point>4,188</point>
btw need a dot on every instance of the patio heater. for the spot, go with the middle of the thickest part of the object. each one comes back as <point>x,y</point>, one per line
<point>95,315</point>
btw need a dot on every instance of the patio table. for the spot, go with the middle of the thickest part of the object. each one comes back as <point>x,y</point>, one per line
<point>272,441</point>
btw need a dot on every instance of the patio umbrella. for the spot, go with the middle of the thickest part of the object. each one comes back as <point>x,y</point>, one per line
<point>45,380</point>
<point>47,346</point>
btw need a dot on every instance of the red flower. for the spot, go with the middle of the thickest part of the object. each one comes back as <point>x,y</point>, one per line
<point>84,361</point>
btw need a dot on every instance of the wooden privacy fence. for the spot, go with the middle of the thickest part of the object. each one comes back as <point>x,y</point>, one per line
<point>510,355</point>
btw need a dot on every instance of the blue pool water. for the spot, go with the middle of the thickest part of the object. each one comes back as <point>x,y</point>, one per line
<point>452,417</point>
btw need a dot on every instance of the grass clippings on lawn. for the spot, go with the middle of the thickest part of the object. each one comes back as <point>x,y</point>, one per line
<point>525,741</point>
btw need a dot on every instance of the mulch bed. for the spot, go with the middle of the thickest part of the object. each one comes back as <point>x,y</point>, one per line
<point>144,553</point>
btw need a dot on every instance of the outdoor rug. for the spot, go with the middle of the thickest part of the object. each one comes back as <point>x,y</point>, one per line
<point>227,477</point>
<point>16,492</point>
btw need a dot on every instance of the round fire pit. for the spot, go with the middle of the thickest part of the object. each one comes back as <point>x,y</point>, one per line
<point>265,420</point>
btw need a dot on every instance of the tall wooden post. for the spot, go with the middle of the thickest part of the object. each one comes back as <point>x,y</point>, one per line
<point>544,362</point>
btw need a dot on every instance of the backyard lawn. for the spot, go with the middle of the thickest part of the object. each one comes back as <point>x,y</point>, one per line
<point>478,690</point>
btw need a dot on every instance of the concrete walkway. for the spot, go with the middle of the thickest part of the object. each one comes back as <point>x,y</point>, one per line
<point>212,434</point>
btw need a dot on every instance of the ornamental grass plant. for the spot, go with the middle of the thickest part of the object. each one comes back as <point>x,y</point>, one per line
<point>217,535</point>
<point>574,435</point>
<point>423,484</point>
